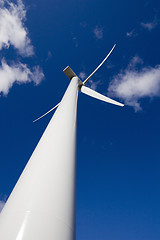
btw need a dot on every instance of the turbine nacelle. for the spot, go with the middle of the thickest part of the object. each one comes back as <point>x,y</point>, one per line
<point>81,86</point>
<point>70,74</point>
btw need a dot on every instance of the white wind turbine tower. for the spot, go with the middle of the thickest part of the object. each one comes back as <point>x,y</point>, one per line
<point>42,204</point>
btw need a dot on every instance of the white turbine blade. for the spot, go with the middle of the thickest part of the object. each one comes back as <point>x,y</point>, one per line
<point>99,66</point>
<point>46,113</point>
<point>99,96</point>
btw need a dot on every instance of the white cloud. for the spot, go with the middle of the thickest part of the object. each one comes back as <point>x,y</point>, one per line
<point>93,85</point>
<point>17,73</point>
<point>109,65</point>
<point>2,2</point>
<point>98,32</point>
<point>2,203</point>
<point>131,85</point>
<point>134,62</point>
<point>131,33</point>
<point>13,32</point>
<point>150,25</point>
<point>12,29</point>
<point>82,75</point>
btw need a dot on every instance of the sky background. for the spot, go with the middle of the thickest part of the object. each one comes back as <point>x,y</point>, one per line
<point>118,149</point>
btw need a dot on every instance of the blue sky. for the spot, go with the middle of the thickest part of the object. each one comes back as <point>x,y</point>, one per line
<point>118,150</point>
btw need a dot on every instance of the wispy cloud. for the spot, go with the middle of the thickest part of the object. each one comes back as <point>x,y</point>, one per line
<point>136,60</point>
<point>17,73</point>
<point>49,56</point>
<point>109,65</point>
<point>75,41</point>
<point>2,2</point>
<point>12,29</point>
<point>150,25</point>
<point>83,24</point>
<point>82,75</point>
<point>14,33</point>
<point>93,85</point>
<point>131,33</point>
<point>98,32</point>
<point>134,83</point>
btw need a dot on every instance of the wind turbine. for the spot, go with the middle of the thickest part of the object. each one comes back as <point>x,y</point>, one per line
<point>42,203</point>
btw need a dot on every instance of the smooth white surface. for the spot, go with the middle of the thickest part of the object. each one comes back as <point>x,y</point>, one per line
<point>99,96</point>
<point>42,204</point>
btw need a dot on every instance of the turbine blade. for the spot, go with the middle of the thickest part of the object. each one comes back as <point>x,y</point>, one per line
<point>85,81</point>
<point>46,113</point>
<point>99,96</point>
